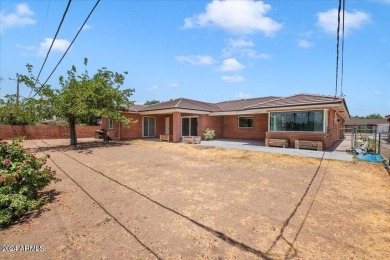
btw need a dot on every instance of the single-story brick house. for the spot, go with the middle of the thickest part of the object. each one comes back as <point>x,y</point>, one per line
<point>302,116</point>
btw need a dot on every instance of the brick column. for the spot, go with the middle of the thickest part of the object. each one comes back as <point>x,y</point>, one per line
<point>176,127</point>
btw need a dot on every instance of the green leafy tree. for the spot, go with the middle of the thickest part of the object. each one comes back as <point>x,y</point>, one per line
<point>84,96</point>
<point>152,102</point>
<point>371,116</point>
<point>25,112</point>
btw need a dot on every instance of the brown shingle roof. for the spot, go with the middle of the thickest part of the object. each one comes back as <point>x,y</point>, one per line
<point>297,100</point>
<point>237,105</point>
<point>136,108</point>
<point>240,105</point>
<point>183,103</point>
<point>362,121</point>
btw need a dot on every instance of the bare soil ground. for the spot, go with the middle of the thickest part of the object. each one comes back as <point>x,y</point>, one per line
<point>147,200</point>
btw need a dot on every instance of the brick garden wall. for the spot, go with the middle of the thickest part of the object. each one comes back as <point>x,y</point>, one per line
<point>45,132</point>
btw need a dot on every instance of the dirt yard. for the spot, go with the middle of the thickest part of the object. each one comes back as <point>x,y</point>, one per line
<point>147,200</point>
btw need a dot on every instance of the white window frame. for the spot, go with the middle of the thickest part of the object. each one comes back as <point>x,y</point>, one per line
<point>154,134</point>
<point>181,124</point>
<point>245,127</point>
<point>110,123</point>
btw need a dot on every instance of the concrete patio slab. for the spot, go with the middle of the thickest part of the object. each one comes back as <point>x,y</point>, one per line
<point>255,145</point>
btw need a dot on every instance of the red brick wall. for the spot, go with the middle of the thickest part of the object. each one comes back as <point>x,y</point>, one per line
<point>212,122</point>
<point>45,132</point>
<point>176,126</point>
<point>260,127</point>
<point>134,131</point>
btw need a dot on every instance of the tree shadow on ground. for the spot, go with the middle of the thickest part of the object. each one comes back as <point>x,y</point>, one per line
<point>82,147</point>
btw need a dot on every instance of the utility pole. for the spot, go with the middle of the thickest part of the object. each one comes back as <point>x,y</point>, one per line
<point>17,88</point>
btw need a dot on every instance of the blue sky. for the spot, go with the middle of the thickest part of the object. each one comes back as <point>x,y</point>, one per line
<point>207,50</point>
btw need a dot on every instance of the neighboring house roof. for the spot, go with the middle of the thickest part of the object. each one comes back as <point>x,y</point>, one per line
<point>183,103</point>
<point>242,104</point>
<point>297,100</point>
<point>359,121</point>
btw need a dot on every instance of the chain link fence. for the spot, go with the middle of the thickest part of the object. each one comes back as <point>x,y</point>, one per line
<point>374,142</point>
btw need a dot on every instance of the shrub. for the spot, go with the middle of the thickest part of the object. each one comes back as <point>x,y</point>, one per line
<point>22,176</point>
<point>209,134</point>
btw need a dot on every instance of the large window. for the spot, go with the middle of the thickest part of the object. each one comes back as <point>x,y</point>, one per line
<point>148,126</point>
<point>309,121</point>
<point>189,126</point>
<point>245,122</point>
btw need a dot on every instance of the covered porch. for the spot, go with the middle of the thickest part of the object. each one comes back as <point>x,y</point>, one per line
<point>175,125</point>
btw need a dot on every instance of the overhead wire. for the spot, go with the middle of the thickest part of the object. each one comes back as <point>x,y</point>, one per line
<point>52,43</point>
<point>47,12</point>
<point>337,47</point>
<point>342,52</point>
<point>70,45</point>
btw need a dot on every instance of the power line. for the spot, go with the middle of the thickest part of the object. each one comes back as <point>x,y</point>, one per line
<point>81,28</point>
<point>47,12</point>
<point>337,47</point>
<point>341,5</point>
<point>52,43</point>
<point>342,52</point>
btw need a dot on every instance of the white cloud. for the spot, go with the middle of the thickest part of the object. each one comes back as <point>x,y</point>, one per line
<point>231,65</point>
<point>87,27</point>
<point>233,78</point>
<point>60,45</point>
<point>242,95</point>
<point>254,55</point>
<point>196,59</point>
<point>354,20</point>
<point>154,89</point>
<point>174,85</point>
<point>25,47</point>
<point>244,48</point>
<point>239,43</point>
<point>306,34</point>
<point>21,17</point>
<point>377,93</point>
<point>304,44</point>
<point>241,17</point>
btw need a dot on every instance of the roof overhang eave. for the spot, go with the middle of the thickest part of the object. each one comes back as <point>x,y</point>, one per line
<point>171,110</point>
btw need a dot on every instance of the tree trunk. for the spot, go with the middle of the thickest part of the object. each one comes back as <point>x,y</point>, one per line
<point>72,128</point>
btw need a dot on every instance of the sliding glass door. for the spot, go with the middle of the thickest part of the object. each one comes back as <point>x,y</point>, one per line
<point>189,126</point>
<point>148,126</point>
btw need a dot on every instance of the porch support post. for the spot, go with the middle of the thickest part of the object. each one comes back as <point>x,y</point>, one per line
<point>176,127</point>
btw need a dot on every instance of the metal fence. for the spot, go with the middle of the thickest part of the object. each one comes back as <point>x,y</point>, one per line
<point>376,143</point>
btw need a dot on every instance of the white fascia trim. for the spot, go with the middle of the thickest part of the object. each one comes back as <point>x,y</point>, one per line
<point>171,110</point>
<point>297,108</point>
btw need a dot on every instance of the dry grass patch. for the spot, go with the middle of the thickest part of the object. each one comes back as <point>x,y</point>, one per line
<point>229,156</point>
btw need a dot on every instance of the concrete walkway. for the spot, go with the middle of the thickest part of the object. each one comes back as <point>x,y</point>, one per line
<point>255,145</point>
